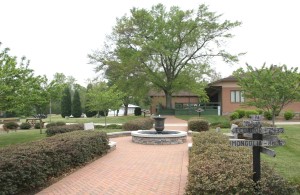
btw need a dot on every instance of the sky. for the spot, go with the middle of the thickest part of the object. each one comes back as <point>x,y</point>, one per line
<point>57,35</point>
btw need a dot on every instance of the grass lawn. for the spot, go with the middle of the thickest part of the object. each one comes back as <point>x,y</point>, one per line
<point>287,160</point>
<point>20,136</point>
<point>110,119</point>
<point>209,118</point>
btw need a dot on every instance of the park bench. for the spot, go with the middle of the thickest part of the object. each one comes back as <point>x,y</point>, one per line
<point>7,120</point>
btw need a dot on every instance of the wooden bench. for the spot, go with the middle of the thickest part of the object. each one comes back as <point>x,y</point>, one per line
<point>7,120</point>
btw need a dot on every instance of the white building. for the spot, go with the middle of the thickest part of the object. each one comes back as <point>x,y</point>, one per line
<point>131,108</point>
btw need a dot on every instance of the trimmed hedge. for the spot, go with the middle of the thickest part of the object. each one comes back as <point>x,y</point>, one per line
<point>10,125</point>
<point>25,126</point>
<point>58,123</point>
<point>198,125</point>
<point>25,167</point>
<point>63,129</point>
<point>110,126</point>
<point>138,124</point>
<point>248,113</point>
<point>234,115</point>
<point>288,115</point>
<point>240,112</point>
<point>217,168</point>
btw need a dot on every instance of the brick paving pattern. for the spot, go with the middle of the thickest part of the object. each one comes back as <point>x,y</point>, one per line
<point>132,169</point>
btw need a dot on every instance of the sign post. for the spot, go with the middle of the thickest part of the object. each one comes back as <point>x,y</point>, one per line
<point>261,137</point>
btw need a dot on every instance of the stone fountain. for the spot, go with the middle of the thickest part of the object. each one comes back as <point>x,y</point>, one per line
<point>159,136</point>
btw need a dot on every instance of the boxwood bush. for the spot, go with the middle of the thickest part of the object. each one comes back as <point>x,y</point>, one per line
<point>11,125</point>
<point>234,115</point>
<point>25,167</point>
<point>25,126</point>
<point>217,168</point>
<point>248,113</point>
<point>240,112</point>
<point>58,123</point>
<point>138,124</point>
<point>288,115</point>
<point>198,125</point>
<point>53,130</point>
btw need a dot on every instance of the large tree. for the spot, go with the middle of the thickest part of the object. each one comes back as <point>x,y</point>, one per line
<point>103,98</point>
<point>20,90</point>
<point>269,88</point>
<point>172,48</point>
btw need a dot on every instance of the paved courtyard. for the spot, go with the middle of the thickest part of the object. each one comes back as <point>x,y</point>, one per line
<point>132,169</point>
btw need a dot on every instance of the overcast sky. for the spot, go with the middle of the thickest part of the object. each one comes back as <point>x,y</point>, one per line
<point>57,35</point>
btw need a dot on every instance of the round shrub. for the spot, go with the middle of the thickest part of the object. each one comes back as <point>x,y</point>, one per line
<point>288,115</point>
<point>37,125</point>
<point>58,123</point>
<point>25,126</point>
<point>137,111</point>
<point>248,113</point>
<point>268,115</point>
<point>240,112</point>
<point>260,111</point>
<point>11,125</point>
<point>198,125</point>
<point>234,116</point>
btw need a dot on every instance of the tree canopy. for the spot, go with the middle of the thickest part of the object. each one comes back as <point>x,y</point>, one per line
<point>269,88</point>
<point>20,90</point>
<point>169,49</point>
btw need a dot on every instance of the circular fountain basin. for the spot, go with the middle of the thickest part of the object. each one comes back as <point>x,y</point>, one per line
<point>166,137</point>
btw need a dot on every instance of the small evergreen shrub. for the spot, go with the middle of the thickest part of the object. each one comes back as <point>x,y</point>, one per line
<point>11,125</point>
<point>198,125</point>
<point>38,125</point>
<point>268,115</point>
<point>260,111</point>
<point>25,126</point>
<point>26,167</point>
<point>138,124</point>
<point>240,112</point>
<point>63,129</point>
<point>137,111</point>
<point>234,116</point>
<point>248,113</point>
<point>110,126</point>
<point>288,115</point>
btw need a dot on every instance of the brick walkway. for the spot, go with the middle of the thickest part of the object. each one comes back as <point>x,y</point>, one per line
<point>131,169</point>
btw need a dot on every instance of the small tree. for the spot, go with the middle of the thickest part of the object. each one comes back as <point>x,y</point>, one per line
<point>88,111</point>
<point>269,89</point>
<point>103,98</point>
<point>76,105</point>
<point>66,103</point>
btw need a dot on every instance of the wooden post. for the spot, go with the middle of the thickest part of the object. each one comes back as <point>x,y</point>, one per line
<point>256,158</point>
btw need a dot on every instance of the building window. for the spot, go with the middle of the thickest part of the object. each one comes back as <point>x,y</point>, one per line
<point>236,96</point>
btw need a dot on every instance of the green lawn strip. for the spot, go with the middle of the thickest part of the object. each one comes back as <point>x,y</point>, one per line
<point>110,119</point>
<point>20,136</point>
<point>287,160</point>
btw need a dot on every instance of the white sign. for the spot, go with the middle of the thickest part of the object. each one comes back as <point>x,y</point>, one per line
<point>262,130</point>
<point>251,143</point>
<point>89,126</point>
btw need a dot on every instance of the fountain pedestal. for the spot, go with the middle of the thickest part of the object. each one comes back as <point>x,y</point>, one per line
<point>159,124</point>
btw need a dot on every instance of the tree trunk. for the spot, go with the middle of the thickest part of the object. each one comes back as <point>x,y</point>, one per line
<point>125,109</point>
<point>273,117</point>
<point>168,100</point>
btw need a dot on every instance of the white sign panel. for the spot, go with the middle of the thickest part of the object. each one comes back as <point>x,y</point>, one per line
<point>89,126</point>
<point>251,143</point>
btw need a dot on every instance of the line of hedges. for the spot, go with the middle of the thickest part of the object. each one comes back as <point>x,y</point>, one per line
<point>217,168</point>
<point>25,167</point>
<point>138,124</point>
<point>53,130</point>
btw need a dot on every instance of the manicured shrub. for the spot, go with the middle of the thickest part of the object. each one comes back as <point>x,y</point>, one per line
<point>25,167</point>
<point>260,111</point>
<point>234,116</point>
<point>138,124</point>
<point>248,113</point>
<point>25,126</point>
<point>217,168</point>
<point>268,115</point>
<point>11,125</point>
<point>63,129</point>
<point>110,126</point>
<point>240,112</point>
<point>58,123</point>
<point>223,124</point>
<point>198,125</point>
<point>288,115</point>
<point>137,111</point>
<point>38,125</point>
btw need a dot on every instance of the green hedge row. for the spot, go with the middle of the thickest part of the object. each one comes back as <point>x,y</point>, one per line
<point>138,124</point>
<point>25,167</point>
<point>217,168</point>
<point>53,130</point>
